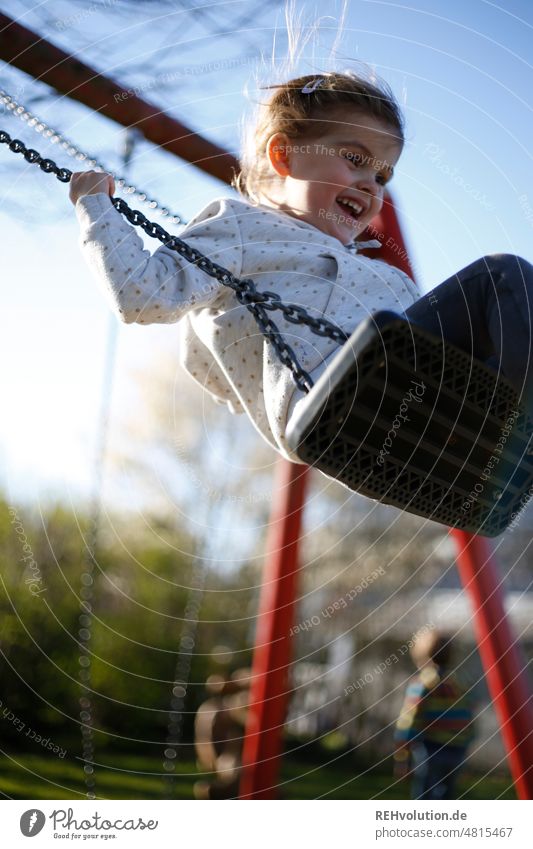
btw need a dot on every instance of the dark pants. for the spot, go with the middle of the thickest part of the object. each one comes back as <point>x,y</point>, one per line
<point>486,310</point>
<point>435,770</point>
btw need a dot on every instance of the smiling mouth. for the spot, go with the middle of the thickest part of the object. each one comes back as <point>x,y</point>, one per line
<point>350,208</point>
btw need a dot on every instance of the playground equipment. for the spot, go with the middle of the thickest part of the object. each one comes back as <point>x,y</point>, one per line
<point>373,366</point>
<point>499,653</point>
<point>461,457</point>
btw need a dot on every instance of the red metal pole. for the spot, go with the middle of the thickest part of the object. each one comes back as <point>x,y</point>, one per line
<point>386,228</point>
<point>273,651</point>
<point>500,656</point>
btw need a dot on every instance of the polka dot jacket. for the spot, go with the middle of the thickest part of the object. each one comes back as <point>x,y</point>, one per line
<point>220,345</point>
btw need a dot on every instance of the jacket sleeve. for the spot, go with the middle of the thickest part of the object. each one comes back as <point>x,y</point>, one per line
<point>159,287</point>
<point>410,723</point>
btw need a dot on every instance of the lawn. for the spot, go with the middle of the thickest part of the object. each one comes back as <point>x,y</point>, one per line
<point>129,777</point>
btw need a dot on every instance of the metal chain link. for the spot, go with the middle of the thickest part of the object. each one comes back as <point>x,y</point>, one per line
<point>258,303</point>
<point>57,138</point>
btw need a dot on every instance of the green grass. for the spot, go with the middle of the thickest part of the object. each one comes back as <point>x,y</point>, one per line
<point>29,776</point>
<point>306,781</point>
<point>129,777</point>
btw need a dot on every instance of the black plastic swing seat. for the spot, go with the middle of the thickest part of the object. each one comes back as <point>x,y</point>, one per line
<point>407,419</point>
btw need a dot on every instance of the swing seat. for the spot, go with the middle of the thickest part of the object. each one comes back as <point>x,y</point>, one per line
<point>407,419</point>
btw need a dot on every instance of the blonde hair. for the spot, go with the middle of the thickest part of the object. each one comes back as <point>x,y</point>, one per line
<point>304,114</point>
<point>431,646</point>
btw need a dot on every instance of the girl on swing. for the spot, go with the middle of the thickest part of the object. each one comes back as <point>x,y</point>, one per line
<point>324,150</point>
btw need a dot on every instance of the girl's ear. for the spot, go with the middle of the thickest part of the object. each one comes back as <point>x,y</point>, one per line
<point>278,153</point>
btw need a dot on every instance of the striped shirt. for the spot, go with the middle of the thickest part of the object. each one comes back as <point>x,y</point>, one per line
<point>436,709</point>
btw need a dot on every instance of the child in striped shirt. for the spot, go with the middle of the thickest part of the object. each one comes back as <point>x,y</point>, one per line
<point>435,726</point>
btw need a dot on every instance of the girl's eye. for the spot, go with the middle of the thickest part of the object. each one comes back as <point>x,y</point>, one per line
<point>357,159</point>
<point>354,158</point>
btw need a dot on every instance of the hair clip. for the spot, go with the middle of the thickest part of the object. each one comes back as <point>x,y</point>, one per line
<point>309,88</point>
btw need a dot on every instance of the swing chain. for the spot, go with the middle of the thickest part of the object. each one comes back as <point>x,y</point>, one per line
<point>35,158</point>
<point>258,303</point>
<point>55,137</point>
<point>247,295</point>
<point>246,291</point>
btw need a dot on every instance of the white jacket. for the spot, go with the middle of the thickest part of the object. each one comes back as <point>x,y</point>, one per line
<point>221,345</point>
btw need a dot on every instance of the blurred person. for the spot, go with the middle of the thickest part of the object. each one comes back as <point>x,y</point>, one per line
<point>435,726</point>
<point>219,734</point>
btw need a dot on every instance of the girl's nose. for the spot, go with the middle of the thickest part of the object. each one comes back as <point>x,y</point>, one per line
<point>366,181</point>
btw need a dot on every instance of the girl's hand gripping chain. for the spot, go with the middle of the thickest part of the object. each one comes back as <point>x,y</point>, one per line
<point>90,183</point>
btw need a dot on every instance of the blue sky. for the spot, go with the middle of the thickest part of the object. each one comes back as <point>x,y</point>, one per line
<point>463,187</point>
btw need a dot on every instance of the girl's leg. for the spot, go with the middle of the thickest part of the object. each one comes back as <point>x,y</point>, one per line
<point>486,309</point>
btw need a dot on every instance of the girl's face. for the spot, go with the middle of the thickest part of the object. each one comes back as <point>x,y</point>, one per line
<point>336,182</point>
